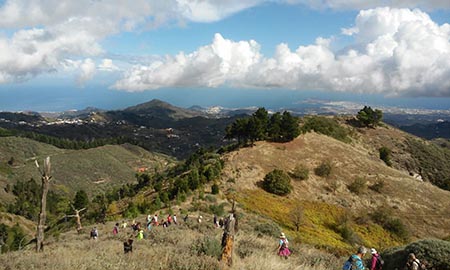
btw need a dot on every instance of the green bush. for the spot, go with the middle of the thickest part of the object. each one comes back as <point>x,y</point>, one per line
<point>385,155</point>
<point>383,217</point>
<point>132,211</point>
<point>218,210</point>
<point>326,126</point>
<point>378,186</point>
<point>210,198</point>
<point>396,226</point>
<point>277,182</point>
<point>246,247</point>
<point>269,229</point>
<point>358,186</point>
<point>324,169</point>
<point>348,234</point>
<point>433,162</point>
<point>215,189</point>
<point>300,172</point>
<point>433,252</point>
<point>207,246</point>
<point>369,117</point>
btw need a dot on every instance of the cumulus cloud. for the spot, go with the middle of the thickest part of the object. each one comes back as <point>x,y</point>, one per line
<point>107,65</point>
<point>87,71</point>
<point>34,51</point>
<point>367,4</point>
<point>48,32</point>
<point>209,66</point>
<point>396,52</point>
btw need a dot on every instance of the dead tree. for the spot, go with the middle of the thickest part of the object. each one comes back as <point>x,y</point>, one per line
<point>45,177</point>
<point>78,217</point>
<point>230,229</point>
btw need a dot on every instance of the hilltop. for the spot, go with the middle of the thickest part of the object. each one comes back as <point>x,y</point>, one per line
<point>93,170</point>
<point>333,215</point>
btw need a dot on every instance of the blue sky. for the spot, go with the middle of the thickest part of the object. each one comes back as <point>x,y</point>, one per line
<point>229,53</point>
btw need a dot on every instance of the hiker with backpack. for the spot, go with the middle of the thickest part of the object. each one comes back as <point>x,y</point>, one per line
<point>413,263</point>
<point>128,245</point>
<point>116,229</point>
<point>377,262</point>
<point>94,233</point>
<point>283,247</point>
<point>355,261</point>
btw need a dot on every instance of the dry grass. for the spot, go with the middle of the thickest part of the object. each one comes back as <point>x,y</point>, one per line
<point>401,193</point>
<point>171,248</point>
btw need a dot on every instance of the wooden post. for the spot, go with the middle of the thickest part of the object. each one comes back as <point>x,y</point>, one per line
<point>230,229</point>
<point>45,177</point>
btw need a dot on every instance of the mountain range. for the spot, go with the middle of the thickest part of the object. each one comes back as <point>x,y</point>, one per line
<point>362,200</point>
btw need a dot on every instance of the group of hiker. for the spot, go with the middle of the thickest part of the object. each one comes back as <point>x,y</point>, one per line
<point>151,221</point>
<point>355,262</point>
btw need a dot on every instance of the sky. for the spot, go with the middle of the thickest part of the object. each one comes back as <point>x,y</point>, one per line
<point>58,55</point>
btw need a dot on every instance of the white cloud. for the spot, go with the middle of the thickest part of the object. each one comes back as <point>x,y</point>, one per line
<point>48,32</point>
<point>34,51</point>
<point>367,4</point>
<point>209,66</point>
<point>87,71</point>
<point>396,52</point>
<point>107,65</point>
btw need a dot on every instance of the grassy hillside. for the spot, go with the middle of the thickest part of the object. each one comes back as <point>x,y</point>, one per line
<point>399,210</point>
<point>186,246</point>
<point>93,170</point>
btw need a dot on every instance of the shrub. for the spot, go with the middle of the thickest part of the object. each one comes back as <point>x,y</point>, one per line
<point>210,198</point>
<point>378,186</point>
<point>333,185</point>
<point>300,172</point>
<point>215,189</point>
<point>269,229</point>
<point>218,210</point>
<point>433,252</point>
<point>246,247</point>
<point>207,246</point>
<point>396,226</point>
<point>433,162</point>
<point>277,182</point>
<point>385,155</point>
<point>348,234</point>
<point>369,117</point>
<point>324,169</point>
<point>132,211</point>
<point>326,126</point>
<point>383,217</point>
<point>358,185</point>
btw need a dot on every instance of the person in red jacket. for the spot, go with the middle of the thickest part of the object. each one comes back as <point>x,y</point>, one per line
<point>376,263</point>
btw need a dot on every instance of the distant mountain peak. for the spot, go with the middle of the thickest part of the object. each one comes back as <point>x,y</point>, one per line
<point>159,107</point>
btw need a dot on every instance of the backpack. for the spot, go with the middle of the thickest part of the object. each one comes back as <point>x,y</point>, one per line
<point>284,244</point>
<point>380,262</point>
<point>421,265</point>
<point>348,265</point>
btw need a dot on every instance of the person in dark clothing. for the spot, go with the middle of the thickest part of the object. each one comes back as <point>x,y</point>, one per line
<point>128,246</point>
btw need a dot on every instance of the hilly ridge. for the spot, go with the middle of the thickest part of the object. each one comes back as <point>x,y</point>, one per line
<point>334,217</point>
<point>94,170</point>
<point>328,204</point>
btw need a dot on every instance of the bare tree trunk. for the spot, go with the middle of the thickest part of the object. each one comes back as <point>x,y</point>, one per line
<point>230,229</point>
<point>78,218</point>
<point>45,172</point>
